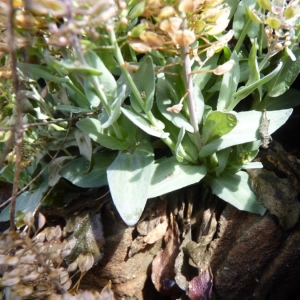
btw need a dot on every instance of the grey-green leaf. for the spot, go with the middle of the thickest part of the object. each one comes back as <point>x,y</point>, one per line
<point>235,189</point>
<point>143,124</point>
<point>129,179</point>
<point>76,170</point>
<point>169,175</point>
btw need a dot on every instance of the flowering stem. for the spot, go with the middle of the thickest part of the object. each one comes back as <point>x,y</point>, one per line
<point>137,94</point>
<point>188,80</point>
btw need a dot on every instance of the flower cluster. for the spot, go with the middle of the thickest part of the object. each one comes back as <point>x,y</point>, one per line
<point>280,20</point>
<point>34,266</point>
<point>179,24</point>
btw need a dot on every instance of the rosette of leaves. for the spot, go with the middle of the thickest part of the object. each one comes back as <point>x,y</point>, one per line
<point>179,96</point>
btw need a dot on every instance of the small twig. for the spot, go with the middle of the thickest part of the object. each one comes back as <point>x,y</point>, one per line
<point>18,130</point>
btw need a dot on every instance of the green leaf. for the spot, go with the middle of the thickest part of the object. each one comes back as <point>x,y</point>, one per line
<point>289,99</point>
<point>235,189</point>
<point>222,157</point>
<point>27,201</point>
<point>178,148</point>
<point>240,19</point>
<point>288,74</point>
<point>199,103</point>
<point>143,124</point>
<point>246,130</point>
<point>165,98</point>
<point>84,144</point>
<point>172,70</point>
<point>217,124</point>
<point>253,65</point>
<point>229,84</point>
<point>90,93</point>
<point>76,170</point>
<point>129,179</point>
<point>136,10</point>
<point>146,86</point>
<point>36,72</point>
<point>94,130</point>
<point>106,80</point>
<point>115,109</point>
<point>201,78</point>
<point>169,175</point>
<point>55,167</point>
<point>243,92</point>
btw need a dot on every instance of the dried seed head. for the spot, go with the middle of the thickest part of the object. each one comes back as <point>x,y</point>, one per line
<point>41,221</point>
<point>9,281</point>
<point>139,46</point>
<point>63,276</point>
<point>73,266</point>
<point>176,109</point>
<point>184,37</point>
<point>40,237</point>
<point>21,290</point>
<point>170,25</point>
<point>186,6</point>
<point>31,277</point>
<point>226,67</point>
<point>152,39</point>
<point>28,259</point>
<point>85,262</point>
<point>167,12</point>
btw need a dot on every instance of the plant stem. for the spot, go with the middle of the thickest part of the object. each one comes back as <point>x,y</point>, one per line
<point>244,32</point>
<point>18,130</point>
<point>188,79</point>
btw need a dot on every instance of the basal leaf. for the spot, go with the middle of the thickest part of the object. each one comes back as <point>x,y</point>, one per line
<point>229,84</point>
<point>76,171</point>
<point>106,80</point>
<point>129,179</point>
<point>36,72</point>
<point>290,98</point>
<point>288,74</point>
<point>143,123</point>
<point>243,92</point>
<point>169,175</point>
<point>165,98</point>
<point>217,124</point>
<point>246,130</point>
<point>93,129</point>
<point>27,201</point>
<point>144,79</point>
<point>235,189</point>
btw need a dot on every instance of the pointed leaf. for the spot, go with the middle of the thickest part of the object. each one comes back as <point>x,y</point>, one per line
<point>243,92</point>
<point>145,86</point>
<point>246,130</point>
<point>165,98</point>
<point>143,123</point>
<point>169,175</point>
<point>235,189</point>
<point>76,170</point>
<point>129,179</point>
<point>229,84</point>
<point>94,130</point>
<point>106,80</point>
<point>217,124</point>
